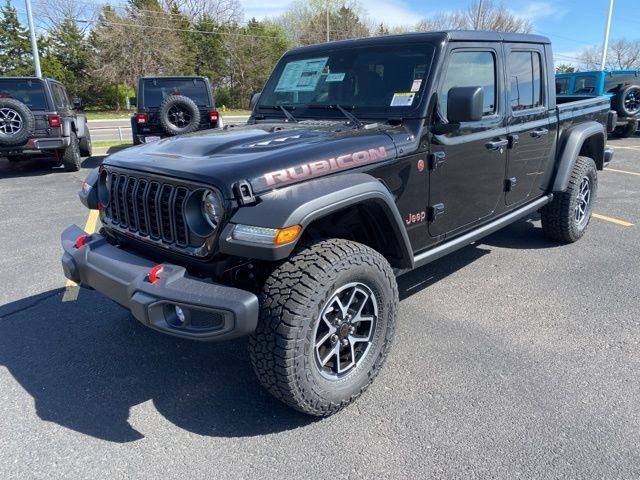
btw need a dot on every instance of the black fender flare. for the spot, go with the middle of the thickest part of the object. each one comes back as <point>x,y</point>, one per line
<point>573,140</point>
<point>303,203</point>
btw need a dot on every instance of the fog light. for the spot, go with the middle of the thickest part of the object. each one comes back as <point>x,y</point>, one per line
<point>180,314</point>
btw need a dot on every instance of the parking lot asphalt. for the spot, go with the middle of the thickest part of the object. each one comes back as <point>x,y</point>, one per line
<point>514,357</point>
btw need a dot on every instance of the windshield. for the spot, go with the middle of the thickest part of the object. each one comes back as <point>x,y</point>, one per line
<point>376,79</point>
<point>155,90</point>
<point>29,92</point>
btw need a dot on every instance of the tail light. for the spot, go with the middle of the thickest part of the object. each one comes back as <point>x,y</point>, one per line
<point>213,116</point>
<point>141,118</point>
<point>54,120</point>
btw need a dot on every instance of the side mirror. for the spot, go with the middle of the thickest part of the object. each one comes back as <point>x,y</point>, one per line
<point>77,103</point>
<point>254,99</point>
<point>465,104</point>
<point>133,101</point>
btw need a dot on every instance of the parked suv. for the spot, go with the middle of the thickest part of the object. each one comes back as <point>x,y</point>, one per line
<point>621,86</point>
<point>169,106</point>
<point>362,159</point>
<point>37,117</point>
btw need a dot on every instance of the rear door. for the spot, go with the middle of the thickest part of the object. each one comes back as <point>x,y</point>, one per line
<point>529,118</point>
<point>466,185</point>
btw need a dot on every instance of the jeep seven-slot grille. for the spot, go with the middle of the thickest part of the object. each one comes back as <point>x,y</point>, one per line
<point>148,208</point>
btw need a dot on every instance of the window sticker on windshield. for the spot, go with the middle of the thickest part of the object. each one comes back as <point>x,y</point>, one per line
<point>301,75</point>
<point>335,77</point>
<point>416,85</point>
<point>404,99</point>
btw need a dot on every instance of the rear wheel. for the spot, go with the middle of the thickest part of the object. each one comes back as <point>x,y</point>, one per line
<point>326,325</point>
<point>567,216</point>
<point>71,158</point>
<point>625,131</point>
<point>86,148</point>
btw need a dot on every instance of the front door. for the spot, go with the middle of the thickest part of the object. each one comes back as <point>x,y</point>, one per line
<point>468,165</point>
<point>529,124</point>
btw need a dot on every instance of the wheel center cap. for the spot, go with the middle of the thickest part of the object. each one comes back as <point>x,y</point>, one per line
<point>343,331</point>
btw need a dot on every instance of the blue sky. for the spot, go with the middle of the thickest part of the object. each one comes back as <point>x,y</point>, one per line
<point>572,25</point>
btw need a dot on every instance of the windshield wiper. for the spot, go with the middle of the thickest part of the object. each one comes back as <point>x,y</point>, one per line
<point>286,112</point>
<point>350,116</point>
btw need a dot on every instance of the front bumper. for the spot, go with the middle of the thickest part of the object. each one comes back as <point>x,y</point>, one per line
<point>211,311</point>
<point>37,145</point>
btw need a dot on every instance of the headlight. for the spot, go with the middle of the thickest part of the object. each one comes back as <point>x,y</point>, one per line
<point>212,209</point>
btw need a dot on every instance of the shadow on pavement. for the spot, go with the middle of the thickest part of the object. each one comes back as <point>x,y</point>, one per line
<point>87,363</point>
<point>41,165</point>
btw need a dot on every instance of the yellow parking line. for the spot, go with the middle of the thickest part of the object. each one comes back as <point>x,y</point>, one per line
<point>617,221</point>
<point>637,174</point>
<point>71,288</point>
<point>630,147</point>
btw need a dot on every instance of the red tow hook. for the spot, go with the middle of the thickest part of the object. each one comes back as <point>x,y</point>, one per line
<point>81,240</point>
<point>154,274</point>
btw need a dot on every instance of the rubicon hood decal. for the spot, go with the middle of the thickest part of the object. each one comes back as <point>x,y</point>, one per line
<point>320,167</point>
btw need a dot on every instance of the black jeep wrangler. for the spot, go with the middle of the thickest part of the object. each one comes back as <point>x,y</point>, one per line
<point>36,117</point>
<point>169,106</point>
<point>362,159</point>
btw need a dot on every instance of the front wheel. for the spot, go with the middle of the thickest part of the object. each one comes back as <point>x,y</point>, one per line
<point>326,325</point>
<point>625,131</point>
<point>567,216</point>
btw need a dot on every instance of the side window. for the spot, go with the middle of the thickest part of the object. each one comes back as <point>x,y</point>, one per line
<point>59,97</point>
<point>471,69</point>
<point>585,84</point>
<point>526,80</point>
<point>562,86</point>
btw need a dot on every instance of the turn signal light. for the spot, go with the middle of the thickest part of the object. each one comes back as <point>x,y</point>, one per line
<point>286,235</point>
<point>154,274</point>
<point>141,118</point>
<point>81,240</point>
<point>54,120</point>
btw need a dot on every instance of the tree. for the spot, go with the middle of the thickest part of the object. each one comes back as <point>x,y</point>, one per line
<point>306,22</point>
<point>222,12</point>
<point>53,13</point>
<point>623,54</point>
<point>71,50</point>
<point>563,68</point>
<point>15,48</point>
<point>209,49</point>
<point>480,15</point>
<point>252,52</point>
<point>382,29</point>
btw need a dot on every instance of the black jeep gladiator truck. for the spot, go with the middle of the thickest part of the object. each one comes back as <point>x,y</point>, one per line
<point>362,159</point>
<point>37,117</point>
<point>168,106</point>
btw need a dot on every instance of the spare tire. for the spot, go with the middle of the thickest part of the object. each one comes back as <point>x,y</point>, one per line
<point>627,101</point>
<point>17,123</point>
<point>179,115</point>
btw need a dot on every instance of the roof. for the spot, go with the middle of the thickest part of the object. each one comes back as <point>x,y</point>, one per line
<point>435,36</point>
<point>606,72</point>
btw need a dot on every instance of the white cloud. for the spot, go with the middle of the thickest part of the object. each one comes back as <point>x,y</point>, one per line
<point>389,12</point>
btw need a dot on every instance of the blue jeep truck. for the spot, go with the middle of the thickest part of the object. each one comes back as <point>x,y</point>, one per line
<point>621,86</point>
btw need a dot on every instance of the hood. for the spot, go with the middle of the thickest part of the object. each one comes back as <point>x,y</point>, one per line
<point>266,155</point>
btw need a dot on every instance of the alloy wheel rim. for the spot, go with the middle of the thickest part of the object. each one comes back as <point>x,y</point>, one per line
<point>632,102</point>
<point>10,121</point>
<point>344,332</point>
<point>583,202</point>
<point>179,117</point>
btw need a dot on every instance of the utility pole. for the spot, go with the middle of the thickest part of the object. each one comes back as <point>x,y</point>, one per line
<point>605,42</point>
<point>328,20</point>
<point>478,15</point>
<point>34,42</point>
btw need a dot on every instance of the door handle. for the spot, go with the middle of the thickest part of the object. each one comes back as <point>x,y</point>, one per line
<point>539,132</point>
<point>497,144</point>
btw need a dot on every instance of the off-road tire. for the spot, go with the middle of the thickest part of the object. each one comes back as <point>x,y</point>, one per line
<point>619,101</point>
<point>71,158</point>
<point>283,347</point>
<point>559,216</point>
<point>181,102</point>
<point>86,148</point>
<point>13,107</point>
<point>625,131</point>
